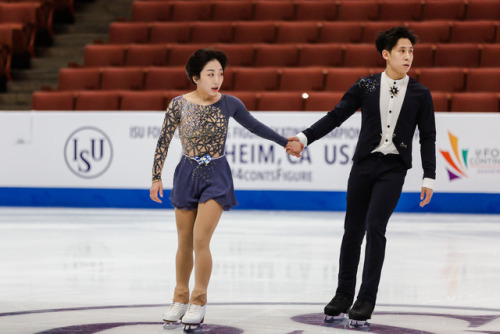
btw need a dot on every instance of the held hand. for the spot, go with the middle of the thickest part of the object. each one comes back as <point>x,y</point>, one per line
<point>294,148</point>
<point>425,196</point>
<point>156,187</point>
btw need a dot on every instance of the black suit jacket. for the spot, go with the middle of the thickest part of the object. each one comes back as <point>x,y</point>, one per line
<point>417,111</point>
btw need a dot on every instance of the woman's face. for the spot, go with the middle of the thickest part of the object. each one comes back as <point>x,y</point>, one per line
<point>211,78</point>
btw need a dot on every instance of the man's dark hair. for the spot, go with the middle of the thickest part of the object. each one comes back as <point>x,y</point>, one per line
<point>386,40</point>
<point>200,58</point>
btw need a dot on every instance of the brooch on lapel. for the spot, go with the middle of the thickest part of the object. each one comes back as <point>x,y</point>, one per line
<point>368,85</point>
<point>403,145</point>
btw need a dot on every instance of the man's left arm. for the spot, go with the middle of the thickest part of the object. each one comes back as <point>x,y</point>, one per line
<point>427,129</point>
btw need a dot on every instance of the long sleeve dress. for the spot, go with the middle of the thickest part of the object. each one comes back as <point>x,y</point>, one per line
<point>203,172</point>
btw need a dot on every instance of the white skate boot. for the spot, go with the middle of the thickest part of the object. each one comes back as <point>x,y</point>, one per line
<point>174,315</point>
<point>194,316</point>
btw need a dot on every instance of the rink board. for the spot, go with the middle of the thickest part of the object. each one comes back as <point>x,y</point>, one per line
<point>104,159</point>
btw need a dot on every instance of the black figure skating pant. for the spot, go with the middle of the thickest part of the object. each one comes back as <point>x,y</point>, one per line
<point>373,191</point>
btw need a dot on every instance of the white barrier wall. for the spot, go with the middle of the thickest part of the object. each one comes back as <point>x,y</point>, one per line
<point>114,150</point>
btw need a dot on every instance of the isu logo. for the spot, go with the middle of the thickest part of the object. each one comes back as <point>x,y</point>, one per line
<point>88,152</point>
<point>457,160</point>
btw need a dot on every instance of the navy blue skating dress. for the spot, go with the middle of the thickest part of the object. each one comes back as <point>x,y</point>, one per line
<point>203,172</point>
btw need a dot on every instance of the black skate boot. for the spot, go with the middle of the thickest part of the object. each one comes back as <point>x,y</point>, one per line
<point>360,312</point>
<point>337,307</point>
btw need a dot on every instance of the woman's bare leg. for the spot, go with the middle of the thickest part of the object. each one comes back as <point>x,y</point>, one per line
<point>207,219</point>
<point>185,220</point>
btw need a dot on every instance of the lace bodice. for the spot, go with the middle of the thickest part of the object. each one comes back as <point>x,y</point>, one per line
<point>203,128</point>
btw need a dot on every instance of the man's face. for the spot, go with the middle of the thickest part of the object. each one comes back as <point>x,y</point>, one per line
<point>400,58</point>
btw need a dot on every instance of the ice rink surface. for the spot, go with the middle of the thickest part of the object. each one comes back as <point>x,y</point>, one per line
<point>112,271</point>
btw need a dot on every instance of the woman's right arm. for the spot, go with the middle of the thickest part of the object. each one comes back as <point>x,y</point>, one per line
<point>170,123</point>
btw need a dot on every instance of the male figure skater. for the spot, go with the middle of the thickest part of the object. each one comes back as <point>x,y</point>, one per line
<point>392,106</point>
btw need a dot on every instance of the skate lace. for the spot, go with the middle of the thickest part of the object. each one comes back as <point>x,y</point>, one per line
<point>193,309</point>
<point>176,307</point>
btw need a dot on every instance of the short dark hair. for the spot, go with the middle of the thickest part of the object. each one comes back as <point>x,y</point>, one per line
<point>200,58</point>
<point>386,40</point>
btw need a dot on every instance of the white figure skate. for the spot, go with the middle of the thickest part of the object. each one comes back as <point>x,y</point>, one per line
<point>174,314</point>
<point>194,317</point>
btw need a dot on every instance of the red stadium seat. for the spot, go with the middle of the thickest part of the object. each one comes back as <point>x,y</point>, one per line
<point>457,55</point>
<point>276,55</point>
<point>146,55</point>
<point>19,39</point>
<point>256,79</point>
<point>97,100</point>
<point>341,79</point>
<point>228,83</point>
<point>149,11</point>
<point>38,15</point>
<point>211,32</point>
<point>179,53</point>
<point>370,29</point>
<point>423,55</point>
<point>329,55</point>
<point>170,32</point>
<point>281,101</point>
<point>408,10</point>
<point>362,10</point>
<point>166,78</point>
<point>447,79</point>
<point>316,10</point>
<point>443,10</point>
<point>490,55</point>
<point>441,101</point>
<point>322,101</point>
<point>340,32</point>
<point>431,31</point>
<point>362,55</point>
<point>303,79</point>
<point>79,78</point>
<point>191,11</point>
<point>238,54</point>
<point>53,100</point>
<point>475,102</point>
<point>104,55</point>
<point>483,80</point>
<point>473,32</point>
<point>297,32</point>
<point>232,10</point>
<point>128,32</point>
<point>255,32</point>
<point>122,78</point>
<point>482,10</point>
<point>274,10</point>
<point>153,100</point>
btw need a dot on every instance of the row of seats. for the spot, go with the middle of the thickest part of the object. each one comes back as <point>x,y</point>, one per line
<point>255,101</point>
<point>303,10</point>
<point>292,55</point>
<point>19,38</point>
<point>38,14</point>
<point>485,31</point>
<point>272,78</point>
<point>64,10</point>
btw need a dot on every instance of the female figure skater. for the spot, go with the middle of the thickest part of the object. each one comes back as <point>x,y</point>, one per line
<point>202,185</point>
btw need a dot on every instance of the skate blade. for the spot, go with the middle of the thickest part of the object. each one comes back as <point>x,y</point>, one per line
<point>194,328</point>
<point>171,325</point>
<point>359,324</point>
<point>334,318</point>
